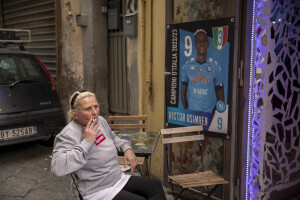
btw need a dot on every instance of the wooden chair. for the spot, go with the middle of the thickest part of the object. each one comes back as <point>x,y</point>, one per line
<point>137,122</point>
<point>191,180</point>
<point>130,122</point>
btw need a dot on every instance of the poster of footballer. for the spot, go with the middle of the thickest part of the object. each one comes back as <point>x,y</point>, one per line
<point>199,61</point>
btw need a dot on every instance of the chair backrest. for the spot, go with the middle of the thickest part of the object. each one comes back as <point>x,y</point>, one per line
<point>184,134</point>
<point>182,138</point>
<point>128,122</point>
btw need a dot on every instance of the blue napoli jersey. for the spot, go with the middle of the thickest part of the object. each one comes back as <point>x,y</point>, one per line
<point>201,80</point>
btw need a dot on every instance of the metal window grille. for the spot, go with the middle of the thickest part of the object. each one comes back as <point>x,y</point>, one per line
<point>118,84</point>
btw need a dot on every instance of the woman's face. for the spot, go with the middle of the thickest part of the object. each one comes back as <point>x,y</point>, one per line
<point>88,108</point>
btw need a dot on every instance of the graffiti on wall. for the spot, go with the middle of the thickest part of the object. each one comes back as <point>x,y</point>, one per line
<point>194,10</point>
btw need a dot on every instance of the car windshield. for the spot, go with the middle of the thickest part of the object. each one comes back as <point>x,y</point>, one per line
<point>22,68</point>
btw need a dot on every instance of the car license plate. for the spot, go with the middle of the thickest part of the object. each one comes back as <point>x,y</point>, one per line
<point>17,132</point>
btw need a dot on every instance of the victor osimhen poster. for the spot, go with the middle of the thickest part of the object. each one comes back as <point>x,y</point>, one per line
<point>199,73</point>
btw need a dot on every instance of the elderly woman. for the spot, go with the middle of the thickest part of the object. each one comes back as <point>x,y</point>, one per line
<point>88,147</point>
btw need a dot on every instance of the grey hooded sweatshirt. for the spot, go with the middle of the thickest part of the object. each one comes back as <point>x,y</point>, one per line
<point>95,164</point>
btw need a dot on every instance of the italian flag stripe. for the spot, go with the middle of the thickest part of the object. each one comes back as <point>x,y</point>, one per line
<point>225,32</point>
<point>215,32</point>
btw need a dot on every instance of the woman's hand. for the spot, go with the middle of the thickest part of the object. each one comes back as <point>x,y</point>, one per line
<point>130,156</point>
<point>91,131</point>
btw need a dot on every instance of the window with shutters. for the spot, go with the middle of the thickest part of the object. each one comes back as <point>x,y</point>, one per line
<point>39,18</point>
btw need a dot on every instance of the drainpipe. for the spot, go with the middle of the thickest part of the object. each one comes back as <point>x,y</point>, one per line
<point>141,53</point>
<point>150,68</point>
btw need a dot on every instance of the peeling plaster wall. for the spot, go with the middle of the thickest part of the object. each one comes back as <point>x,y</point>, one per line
<point>132,68</point>
<point>94,48</point>
<point>84,51</point>
<point>71,44</point>
<point>132,76</point>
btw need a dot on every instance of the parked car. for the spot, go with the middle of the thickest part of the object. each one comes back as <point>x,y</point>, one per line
<point>29,105</point>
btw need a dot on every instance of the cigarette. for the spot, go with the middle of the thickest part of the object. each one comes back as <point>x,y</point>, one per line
<point>93,120</point>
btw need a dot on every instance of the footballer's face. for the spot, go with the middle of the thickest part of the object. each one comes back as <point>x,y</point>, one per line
<point>201,43</point>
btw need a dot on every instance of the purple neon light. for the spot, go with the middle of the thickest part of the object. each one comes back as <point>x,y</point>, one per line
<point>257,94</point>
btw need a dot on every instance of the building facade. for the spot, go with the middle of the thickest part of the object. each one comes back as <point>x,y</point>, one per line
<point>116,48</point>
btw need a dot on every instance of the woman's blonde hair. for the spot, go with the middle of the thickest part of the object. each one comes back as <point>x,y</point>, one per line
<point>74,102</point>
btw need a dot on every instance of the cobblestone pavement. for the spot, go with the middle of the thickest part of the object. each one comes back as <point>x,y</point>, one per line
<point>25,174</point>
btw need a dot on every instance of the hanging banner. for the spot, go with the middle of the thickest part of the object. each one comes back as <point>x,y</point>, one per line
<point>199,60</point>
